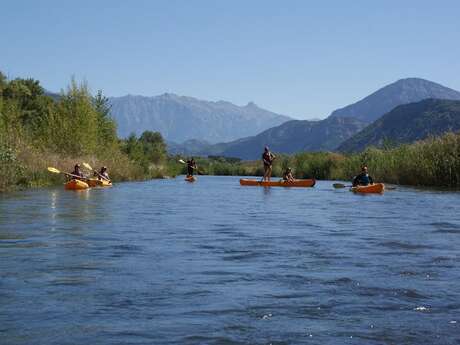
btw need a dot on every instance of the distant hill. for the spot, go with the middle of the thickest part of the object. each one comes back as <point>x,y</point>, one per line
<point>181,118</point>
<point>403,91</point>
<point>292,136</point>
<point>189,147</point>
<point>329,134</point>
<point>408,123</point>
<point>55,96</point>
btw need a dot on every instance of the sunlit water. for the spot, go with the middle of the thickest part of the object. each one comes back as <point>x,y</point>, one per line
<point>171,262</point>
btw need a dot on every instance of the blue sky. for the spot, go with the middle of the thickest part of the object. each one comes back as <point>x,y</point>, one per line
<point>300,58</point>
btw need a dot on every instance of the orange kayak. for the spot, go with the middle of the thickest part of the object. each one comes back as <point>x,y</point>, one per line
<point>190,178</point>
<point>76,185</point>
<point>372,188</point>
<point>295,183</point>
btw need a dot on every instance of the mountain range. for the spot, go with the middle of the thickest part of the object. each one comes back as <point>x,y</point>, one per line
<point>290,137</point>
<point>403,91</point>
<point>197,127</point>
<point>408,123</point>
<point>329,134</point>
<point>180,118</point>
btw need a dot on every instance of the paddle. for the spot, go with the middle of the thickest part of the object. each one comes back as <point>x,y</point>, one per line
<point>341,185</point>
<point>87,166</point>
<point>56,171</point>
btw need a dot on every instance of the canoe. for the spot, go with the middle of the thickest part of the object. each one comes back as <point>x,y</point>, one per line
<point>295,183</point>
<point>76,185</point>
<point>190,178</point>
<point>372,188</point>
<point>99,183</point>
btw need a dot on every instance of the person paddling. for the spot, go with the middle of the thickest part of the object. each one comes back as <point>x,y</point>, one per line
<point>103,174</point>
<point>77,172</point>
<point>287,176</point>
<point>267,158</point>
<point>363,179</point>
<point>191,165</point>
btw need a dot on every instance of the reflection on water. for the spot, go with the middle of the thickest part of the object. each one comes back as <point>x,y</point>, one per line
<point>169,262</point>
<point>53,210</point>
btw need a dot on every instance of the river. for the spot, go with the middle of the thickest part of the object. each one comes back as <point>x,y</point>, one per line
<point>211,262</point>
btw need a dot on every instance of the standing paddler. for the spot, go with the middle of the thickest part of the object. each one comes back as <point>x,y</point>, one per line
<point>191,165</point>
<point>267,158</point>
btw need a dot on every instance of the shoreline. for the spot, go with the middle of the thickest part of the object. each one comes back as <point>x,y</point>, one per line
<point>439,189</point>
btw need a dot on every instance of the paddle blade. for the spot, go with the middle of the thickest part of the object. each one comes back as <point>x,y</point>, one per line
<point>53,170</point>
<point>338,185</point>
<point>181,161</point>
<point>87,166</point>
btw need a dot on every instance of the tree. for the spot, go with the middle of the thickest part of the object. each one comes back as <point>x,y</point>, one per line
<point>148,150</point>
<point>107,130</point>
<point>75,122</point>
<point>3,83</point>
<point>154,146</point>
<point>31,100</point>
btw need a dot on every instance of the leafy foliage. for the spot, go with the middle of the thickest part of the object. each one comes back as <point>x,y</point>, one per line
<point>149,151</point>
<point>35,127</point>
<point>11,171</point>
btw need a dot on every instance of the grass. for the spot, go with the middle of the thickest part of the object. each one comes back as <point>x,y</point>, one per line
<point>431,162</point>
<point>26,167</point>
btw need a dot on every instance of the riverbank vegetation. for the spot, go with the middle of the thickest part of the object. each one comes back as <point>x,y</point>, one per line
<point>431,162</point>
<point>38,130</point>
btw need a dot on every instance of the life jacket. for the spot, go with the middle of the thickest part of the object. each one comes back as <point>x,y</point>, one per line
<point>364,179</point>
<point>267,157</point>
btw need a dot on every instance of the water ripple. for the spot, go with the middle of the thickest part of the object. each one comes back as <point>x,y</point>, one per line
<point>165,262</point>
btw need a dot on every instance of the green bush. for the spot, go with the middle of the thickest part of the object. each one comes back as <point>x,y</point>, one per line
<point>11,171</point>
<point>37,130</point>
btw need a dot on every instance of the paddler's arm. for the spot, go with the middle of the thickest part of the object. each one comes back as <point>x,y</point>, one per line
<point>355,181</point>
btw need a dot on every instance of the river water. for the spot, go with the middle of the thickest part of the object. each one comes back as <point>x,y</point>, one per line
<point>211,262</point>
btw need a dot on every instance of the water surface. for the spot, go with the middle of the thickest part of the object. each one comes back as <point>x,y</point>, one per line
<point>171,262</point>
